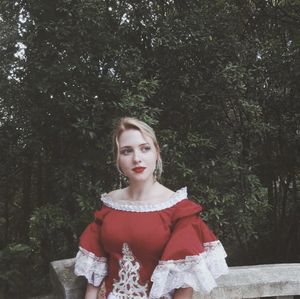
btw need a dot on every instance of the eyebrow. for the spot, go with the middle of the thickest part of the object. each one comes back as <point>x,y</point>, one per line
<point>128,146</point>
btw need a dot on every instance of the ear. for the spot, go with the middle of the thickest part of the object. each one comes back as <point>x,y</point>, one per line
<point>157,152</point>
<point>157,158</point>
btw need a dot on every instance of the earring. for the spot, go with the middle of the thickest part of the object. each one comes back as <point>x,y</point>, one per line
<point>155,173</point>
<point>122,179</point>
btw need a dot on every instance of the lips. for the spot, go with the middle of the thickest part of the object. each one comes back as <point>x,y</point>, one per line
<point>138,169</point>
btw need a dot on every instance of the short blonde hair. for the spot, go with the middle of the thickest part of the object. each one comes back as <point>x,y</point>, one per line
<point>127,123</point>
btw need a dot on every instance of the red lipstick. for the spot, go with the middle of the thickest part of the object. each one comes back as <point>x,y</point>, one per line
<point>138,169</point>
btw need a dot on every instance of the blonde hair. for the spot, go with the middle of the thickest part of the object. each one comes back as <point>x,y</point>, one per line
<point>127,123</point>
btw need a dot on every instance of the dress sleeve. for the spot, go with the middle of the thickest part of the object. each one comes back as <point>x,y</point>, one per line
<point>91,259</point>
<point>193,256</point>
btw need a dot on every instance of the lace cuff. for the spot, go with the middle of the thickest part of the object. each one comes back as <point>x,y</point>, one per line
<point>92,267</point>
<point>198,272</point>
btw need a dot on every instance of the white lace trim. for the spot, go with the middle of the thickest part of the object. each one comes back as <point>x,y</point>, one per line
<point>92,267</point>
<point>130,206</point>
<point>198,272</point>
<point>128,285</point>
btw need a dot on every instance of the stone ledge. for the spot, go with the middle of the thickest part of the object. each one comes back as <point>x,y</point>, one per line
<point>44,297</point>
<point>241,282</point>
<point>66,285</point>
<point>257,282</point>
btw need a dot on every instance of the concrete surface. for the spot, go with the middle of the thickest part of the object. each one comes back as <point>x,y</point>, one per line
<point>278,280</point>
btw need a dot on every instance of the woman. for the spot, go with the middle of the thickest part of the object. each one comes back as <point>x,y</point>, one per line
<point>147,241</point>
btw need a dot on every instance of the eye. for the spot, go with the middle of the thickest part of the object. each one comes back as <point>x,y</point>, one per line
<point>146,148</point>
<point>126,151</point>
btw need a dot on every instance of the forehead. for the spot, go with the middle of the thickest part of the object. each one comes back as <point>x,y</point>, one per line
<point>133,137</point>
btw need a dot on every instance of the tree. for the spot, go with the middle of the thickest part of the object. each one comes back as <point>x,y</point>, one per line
<point>218,80</point>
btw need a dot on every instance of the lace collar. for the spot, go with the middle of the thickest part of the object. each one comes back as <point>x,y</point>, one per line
<point>130,206</point>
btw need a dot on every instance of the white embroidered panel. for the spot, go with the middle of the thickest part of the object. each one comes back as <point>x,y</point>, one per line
<point>93,268</point>
<point>130,206</point>
<point>128,286</point>
<point>198,272</point>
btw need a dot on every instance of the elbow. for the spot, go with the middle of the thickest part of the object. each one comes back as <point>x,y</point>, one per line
<point>183,293</point>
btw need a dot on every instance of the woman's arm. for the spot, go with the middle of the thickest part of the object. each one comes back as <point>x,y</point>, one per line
<point>91,292</point>
<point>183,293</point>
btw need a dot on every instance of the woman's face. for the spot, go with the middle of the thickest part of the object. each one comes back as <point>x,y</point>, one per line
<point>137,155</point>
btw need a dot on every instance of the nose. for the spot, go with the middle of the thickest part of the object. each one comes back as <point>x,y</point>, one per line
<point>136,157</point>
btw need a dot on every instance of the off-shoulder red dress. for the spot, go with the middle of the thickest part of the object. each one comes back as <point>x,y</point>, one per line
<point>148,250</point>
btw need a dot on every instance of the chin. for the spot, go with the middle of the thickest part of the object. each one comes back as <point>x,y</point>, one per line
<point>140,178</point>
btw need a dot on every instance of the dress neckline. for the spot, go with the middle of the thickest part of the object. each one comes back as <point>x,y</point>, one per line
<point>126,205</point>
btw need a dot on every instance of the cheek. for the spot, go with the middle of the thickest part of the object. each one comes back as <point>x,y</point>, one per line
<point>151,159</point>
<point>123,162</point>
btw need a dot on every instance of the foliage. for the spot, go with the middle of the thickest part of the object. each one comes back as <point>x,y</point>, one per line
<point>15,267</point>
<point>218,81</point>
<point>51,232</point>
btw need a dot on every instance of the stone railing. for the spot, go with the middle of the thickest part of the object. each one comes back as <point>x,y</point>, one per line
<point>259,281</point>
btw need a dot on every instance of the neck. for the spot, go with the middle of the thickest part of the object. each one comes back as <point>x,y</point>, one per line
<point>139,191</point>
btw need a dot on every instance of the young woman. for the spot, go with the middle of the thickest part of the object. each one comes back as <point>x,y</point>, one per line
<point>147,241</point>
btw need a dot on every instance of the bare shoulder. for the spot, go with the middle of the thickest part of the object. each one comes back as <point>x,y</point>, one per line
<point>116,194</point>
<point>163,191</point>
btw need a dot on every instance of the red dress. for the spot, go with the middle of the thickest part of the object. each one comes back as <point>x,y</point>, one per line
<point>148,250</point>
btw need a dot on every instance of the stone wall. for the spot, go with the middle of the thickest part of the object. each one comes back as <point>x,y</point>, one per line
<point>278,280</point>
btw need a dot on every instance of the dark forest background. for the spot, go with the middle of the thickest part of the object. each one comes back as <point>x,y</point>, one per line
<point>218,80</point>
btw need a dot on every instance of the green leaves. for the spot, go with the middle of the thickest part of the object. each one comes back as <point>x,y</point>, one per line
<point>218,81</point>
<point>51,234</point>
<point>15,263</point>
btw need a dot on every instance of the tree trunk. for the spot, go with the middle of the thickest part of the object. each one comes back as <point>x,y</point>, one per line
<point>26,203</point>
